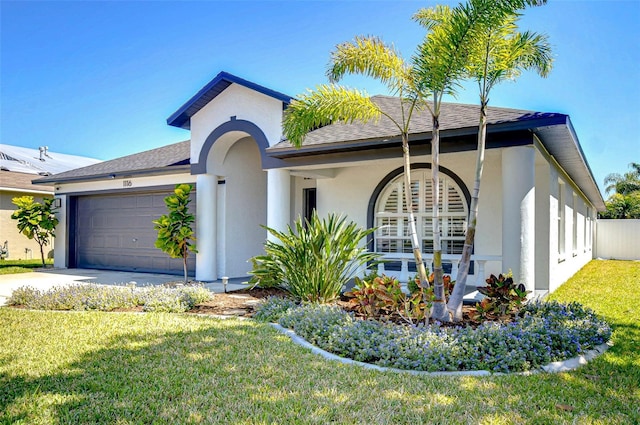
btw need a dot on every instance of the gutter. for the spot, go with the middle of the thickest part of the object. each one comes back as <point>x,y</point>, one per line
<point>158,171</point>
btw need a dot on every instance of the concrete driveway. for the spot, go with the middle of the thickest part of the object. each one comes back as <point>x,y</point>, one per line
<point>44,279</point>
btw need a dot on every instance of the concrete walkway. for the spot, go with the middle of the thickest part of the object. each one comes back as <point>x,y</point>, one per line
<point>44,279</point>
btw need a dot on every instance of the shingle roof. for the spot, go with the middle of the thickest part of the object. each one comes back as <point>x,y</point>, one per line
<point>453,116</point>
<point>15,181</point>
<point>177,154</point>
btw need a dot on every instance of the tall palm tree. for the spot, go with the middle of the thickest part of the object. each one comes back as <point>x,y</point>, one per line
<point>501,53</point>
<point>435,70</point>
<point>332,103</point>
<point>441,63</point>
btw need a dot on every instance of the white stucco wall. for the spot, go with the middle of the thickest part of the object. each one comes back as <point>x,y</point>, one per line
<point>243,103</point>
<point>244,207</point>
<point>564,265</point>
<point>124,184</point>
<point>352,186</point>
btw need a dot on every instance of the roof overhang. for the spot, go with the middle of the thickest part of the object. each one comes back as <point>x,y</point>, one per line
<point>562,144</point>
<point>182,117</point>
<point>554,131</point>
<point>178,169</point>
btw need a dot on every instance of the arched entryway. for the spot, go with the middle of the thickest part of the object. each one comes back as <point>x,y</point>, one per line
<point>232,200</point>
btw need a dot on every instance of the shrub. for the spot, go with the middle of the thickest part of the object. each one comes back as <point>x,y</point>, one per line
<point>314,322</point>
<point>377,297</point>
<point>543,332</point>
<point>316,260</point>
<point>273,308</point>
<point>503,297</point>
<point>108,298</point>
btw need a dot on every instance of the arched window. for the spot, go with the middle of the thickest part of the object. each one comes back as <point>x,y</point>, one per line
<point>390,218</point>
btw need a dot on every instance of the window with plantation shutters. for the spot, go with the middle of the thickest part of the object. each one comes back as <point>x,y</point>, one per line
<point>392,221</point>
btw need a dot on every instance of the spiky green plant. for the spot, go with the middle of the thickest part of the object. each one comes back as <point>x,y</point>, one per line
<point>314,261</point>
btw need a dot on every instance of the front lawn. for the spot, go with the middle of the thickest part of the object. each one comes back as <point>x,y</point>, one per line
<point>92,367</point>
<point>22,266</point>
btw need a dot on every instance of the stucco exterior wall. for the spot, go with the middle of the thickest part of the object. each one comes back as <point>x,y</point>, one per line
<point>244,208</point>
<point>351,188</point>
<point>564,198</point>
<point>243,103</point>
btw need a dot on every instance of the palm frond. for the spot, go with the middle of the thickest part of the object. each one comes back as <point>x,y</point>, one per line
<point>371,57</point>
<point>325,105</point>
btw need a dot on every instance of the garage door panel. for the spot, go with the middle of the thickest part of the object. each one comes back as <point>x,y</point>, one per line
<point>116,232</point>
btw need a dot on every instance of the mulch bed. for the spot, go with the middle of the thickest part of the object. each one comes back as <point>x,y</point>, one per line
<point>240,303</point>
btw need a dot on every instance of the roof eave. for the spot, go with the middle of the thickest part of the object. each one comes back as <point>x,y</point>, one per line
<point>581,173</point>
<point>112,175</point>
<point>530,124</point>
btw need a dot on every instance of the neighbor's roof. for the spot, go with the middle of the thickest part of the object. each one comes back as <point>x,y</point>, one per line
<point>39,161</point>
<point>13,181</point>
<point>154,161</point>
<point>182,117</point>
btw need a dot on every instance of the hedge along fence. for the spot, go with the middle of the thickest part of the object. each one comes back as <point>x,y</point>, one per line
<point>617,239</point>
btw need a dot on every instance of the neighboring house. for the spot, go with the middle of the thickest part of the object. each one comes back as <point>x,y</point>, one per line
<point>536,214</point>
<point>18,167</point>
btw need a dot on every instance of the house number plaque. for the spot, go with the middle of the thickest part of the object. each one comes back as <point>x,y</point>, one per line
<point>127,183</point>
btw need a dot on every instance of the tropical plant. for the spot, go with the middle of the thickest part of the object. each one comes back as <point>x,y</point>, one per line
<point>621,206</point>
<point>500,54</point>
<point>624,184</point>
<point>36,220</point>
<point>175,232</point>
<point>377,297</point>
<point>314,261</point>
<point>502,297</point>
<point>625,201</point>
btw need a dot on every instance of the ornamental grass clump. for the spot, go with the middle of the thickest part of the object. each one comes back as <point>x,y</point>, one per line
<point>314,261</point>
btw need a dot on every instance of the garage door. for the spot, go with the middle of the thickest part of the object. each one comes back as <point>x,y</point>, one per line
<point>115,232</point>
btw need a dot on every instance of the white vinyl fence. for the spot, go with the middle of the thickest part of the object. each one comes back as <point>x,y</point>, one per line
<point>618,239</point>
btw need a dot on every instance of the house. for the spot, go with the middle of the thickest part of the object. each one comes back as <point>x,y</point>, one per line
<point>536,214</point>
<point>18,167</point>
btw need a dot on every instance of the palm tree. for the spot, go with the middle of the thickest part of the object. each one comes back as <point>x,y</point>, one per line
<point>435,70</point>
<point>501,53</point>
<point>332,103</point>
<point>441,63</point>
<point>624,184</point>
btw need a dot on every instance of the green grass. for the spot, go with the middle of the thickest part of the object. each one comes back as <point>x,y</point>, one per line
<point>22,266</point>
<point>123,368</point>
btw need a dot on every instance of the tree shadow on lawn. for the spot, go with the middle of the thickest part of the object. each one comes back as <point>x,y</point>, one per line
<point>244,372</point>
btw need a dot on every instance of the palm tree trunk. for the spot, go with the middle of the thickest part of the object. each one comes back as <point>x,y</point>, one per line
<point>439,310</point>
<point>455,301</point>
<point>415,243</point>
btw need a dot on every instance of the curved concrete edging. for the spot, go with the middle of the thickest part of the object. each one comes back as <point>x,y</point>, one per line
<point>561,366</point>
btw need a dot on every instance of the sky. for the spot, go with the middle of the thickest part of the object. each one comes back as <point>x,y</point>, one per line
<point>100,78</point>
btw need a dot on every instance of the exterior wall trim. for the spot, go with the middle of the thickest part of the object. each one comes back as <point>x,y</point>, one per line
<point>395,173</point>
<point>234,124</point>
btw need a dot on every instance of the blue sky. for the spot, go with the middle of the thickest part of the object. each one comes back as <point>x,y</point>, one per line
<point>99,79</point>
